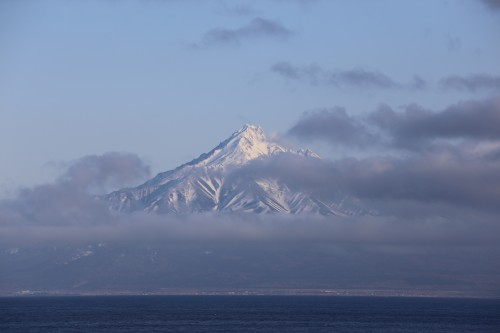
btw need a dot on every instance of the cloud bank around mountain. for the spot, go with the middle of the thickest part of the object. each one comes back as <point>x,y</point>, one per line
<point>420,167</point>
<point>449,157</point>
<point>429,181</point>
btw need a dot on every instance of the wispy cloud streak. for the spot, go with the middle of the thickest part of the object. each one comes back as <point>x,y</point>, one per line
<point>471,83</point>
<point>256,28</point>
<point>357,77</point>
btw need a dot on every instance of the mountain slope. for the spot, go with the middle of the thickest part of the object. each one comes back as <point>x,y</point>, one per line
<point>203,184</point>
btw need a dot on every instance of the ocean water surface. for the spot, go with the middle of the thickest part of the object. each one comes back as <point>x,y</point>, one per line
<point>248,314</point>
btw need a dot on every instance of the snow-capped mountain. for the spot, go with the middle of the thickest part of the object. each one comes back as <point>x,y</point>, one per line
<point>203,184</point>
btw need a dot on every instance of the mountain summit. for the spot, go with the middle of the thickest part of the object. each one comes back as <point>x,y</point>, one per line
<point>203,185</point>
<point>244,145</point>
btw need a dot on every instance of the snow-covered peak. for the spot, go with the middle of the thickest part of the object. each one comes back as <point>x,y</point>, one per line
<point>208,183</point>
<point>244,145</point>
<point>251,131</point>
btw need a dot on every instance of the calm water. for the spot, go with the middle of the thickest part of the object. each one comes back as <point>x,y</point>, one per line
<point>247,314</point>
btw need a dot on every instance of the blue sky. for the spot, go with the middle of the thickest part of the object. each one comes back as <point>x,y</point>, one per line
<point>168,80</point>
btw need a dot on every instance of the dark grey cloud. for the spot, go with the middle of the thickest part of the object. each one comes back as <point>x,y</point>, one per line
<point>471,83</point>
<point>357,77</point>
<point>492,4</point>
<point>362,78</point>
<point>450,167</point>
<point>450,161</point>
<point>414,126</point>
<point>332,125</point>
<point>70,199</point>
<point>107,170</point>
<point>57,214</point>
<point>417,83</point>
<point>446,182</point>
<point>273,254</point>
<point>292,72</point>
<point>256,28</point>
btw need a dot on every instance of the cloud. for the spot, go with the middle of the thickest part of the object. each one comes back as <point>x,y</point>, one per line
<point>332,125</point>
<point>104,171</point>
<point>446,184</point>
<point>416,202</point>
<point>473,119</point>
<point>70,199</point>
<point>471,83</point>
<point>417,83</point>
<point>256,28</point>
<point>357,77</point>
<point>236,252</point>
<point>442,163</point>
<point>362,78</point>
<point>492,4</point>
<point>292,72</point>
<point>258,229</point>
<point>443,182</point>
<point>413,128</point>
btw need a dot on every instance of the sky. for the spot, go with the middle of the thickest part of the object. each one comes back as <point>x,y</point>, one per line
<point>168,79</point>
<point>400,98</point>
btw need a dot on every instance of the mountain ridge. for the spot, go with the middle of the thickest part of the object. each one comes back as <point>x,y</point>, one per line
<point>203,185</point>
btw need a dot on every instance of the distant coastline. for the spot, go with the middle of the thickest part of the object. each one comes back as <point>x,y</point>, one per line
<point>260,292</point>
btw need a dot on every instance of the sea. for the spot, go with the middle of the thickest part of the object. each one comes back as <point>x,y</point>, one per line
<point>248,314</point>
